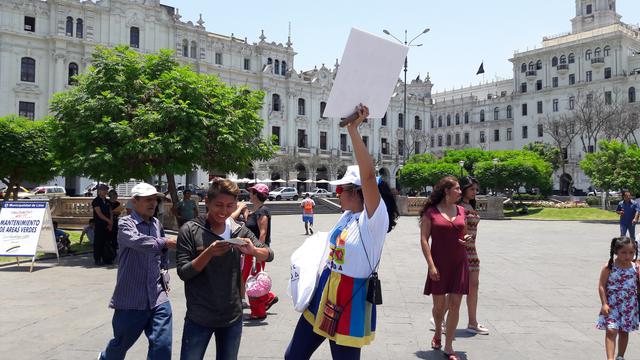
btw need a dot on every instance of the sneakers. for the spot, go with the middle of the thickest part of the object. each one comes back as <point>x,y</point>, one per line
<point>619,357</point>
<point>480,330</point>
<point>311,230</point>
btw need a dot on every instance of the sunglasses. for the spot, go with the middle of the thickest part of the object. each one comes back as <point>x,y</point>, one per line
<point>345,188</point>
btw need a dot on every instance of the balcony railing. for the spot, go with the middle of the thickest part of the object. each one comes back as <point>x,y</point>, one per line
<point>531,73</point>
<point>563,67</point>
<point>597,61</point>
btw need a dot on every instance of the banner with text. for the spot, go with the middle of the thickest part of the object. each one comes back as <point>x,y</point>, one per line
<point>26,228</point>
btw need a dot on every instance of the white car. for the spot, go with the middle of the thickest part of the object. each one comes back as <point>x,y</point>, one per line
<point>284,193</point>
<point>318,193</point>
<point>599,193</point>
<point>43,192</point>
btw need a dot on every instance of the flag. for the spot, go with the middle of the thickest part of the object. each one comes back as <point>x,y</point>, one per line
<point>481,69</point>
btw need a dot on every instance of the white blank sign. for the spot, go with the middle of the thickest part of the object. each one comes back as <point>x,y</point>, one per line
<point>368,73</point>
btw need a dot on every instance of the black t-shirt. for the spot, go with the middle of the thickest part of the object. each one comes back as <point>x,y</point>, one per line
<point>105,208</point>
<point>252,223</point>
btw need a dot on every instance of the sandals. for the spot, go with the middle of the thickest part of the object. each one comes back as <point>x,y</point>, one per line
<point>436,343</point>
<point>478,329</point>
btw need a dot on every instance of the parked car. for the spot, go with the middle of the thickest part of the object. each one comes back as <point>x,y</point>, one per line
<point>43,192</point>
<point>243,195</point>
<point>197,193</point>
<point>284,193</point>
<point>20,189</point>
<point>599,193</point>
<point>318,193</point>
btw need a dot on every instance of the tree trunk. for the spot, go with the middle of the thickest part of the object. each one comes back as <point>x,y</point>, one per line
<point>173,192</point>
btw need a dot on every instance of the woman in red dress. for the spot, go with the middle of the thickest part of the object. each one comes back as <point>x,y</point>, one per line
<point>443,222</point>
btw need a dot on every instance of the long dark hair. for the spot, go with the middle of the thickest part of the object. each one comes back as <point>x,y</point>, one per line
<point>465,183</point>
<point>389,202</point>
<point>618,243</point>
<point>438,193</point>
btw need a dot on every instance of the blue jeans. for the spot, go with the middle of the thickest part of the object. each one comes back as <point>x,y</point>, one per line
<point>628,227</point>
<point>305,342</point>
<point>129,324</point>
<point>195,339</point>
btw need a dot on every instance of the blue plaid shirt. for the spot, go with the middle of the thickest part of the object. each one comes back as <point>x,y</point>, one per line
<point>142,254</point>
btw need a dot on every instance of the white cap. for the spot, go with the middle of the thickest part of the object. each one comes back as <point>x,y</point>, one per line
<point>144,189</point>
<point>351,176</point>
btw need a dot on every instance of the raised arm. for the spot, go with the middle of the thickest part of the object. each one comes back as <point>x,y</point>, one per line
<point>365,162</point>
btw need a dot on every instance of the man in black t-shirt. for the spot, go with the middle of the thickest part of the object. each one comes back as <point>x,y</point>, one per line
<point>103,224</point>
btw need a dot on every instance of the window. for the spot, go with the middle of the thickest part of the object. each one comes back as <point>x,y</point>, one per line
<point>440,121</point>
<point>29,23</point>
<point>275,102</point>
<point>539,65</point>
<point>323,105</point>
<point>365,140</point>
<point>302,138</point>
<point>79,28</point>
<point>572,103</point>
<point>134,37</point>
<point>572,79</point>
<point>466,117</point>
<point>563,60</point>
<point>417,123</point>
<point>343,142</point>
<point>416,147</point>
<point>632,94</point>
<point>540,130</point>
<point>185,47</point>
<point>509,134</point>
<point>27,109</point>
<point>523,87</point>
<point>218,58</point>
<point>554,61</point>
<point>481,115</point>
<point>283,68</point>
<point>433,141</point>
<point>496,135</point>
<point>538,85</point>
<point>457,118</point>
<point>448,120</point>
<point>401,147</point>
<point>555,105</point>
<point>572,58</point>
<point>28,69</point>
<point>482,139</point>
<point>269,61</point>
<point>247,64</point>
<point>509,112</point>
<point>523,67</point>
<point>606,51</point>
<point>466,138</point>
<point>73,71</point>
<point>301,106</point>
<point>539,107</point>
<point>383,121</point>
<point>525,132</point>
<point>532,66</point>
<point>596,53</point>
<point>607,98</point>
<point>439,140</point>
<point>587,55</point>
<point>496,113</point>
<point>524,109</point>
<point>607,73</point>
<point>385,145</point>
<point>69,28</point>
<point>589,9</point>
<point>457,138</point>
<point>589,76</point>
<point>194,50</point>
<point>433,122</point>
<point>276,67</point>
<point>448,139</point>
<point>275,134</point>
<point>554,82</point>
<point>400,121</point>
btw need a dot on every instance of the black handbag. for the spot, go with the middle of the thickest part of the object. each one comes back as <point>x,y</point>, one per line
<point>374,286</point>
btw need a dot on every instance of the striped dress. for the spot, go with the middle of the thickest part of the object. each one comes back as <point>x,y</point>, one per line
<point>472,219</point>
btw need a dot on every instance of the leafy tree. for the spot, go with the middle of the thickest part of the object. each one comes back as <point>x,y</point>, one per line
<point>547,152</point>
<point>134,116</point>
<point>421,158</point>
<point>418,176</point>
<point>470,157</point>
<point>26,155</point>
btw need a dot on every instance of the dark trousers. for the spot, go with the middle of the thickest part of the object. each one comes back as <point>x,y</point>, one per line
<point>195,339</point>
<point>100,238</point>
<point>128,325</point>
<point>305,342</point>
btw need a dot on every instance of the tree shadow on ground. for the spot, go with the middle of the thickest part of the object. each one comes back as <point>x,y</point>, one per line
<point>438,354</point>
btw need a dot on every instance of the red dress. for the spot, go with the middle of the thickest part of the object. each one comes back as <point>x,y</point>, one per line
<point>449,255</point>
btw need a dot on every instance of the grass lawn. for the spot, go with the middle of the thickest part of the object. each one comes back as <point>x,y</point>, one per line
<point>74,236</point>
<point>564,214</point>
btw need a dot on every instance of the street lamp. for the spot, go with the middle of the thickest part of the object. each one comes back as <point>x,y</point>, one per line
<point>461,163</point>
<point>404,115</point>
<point>495,178</point>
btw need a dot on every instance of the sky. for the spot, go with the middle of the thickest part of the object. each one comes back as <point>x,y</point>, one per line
<point>463,33</point>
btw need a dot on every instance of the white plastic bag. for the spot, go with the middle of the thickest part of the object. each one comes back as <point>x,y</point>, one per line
<point>307,263</point>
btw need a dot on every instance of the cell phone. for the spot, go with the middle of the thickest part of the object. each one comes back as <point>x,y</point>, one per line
<point>233,241</point>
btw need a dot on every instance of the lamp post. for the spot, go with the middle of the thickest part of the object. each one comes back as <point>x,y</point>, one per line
<point>404,114</point>
<point>495,178</point>
<point>461,163</point>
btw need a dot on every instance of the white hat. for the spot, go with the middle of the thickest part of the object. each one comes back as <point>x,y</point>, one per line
<point>351,176</point>
<point>144,189</point>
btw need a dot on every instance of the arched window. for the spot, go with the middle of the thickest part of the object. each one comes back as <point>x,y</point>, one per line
<point>276,67</point>
<point>323,105</point>
<point>448,120</point>
<point>28,69</point>
<point>301,106</point>
<point>532,66</point>
<point>457,118</point>
<point>632,94</point>
<point>554,61</point>
<point>563,59</point>
<point>69,27</point>
<point>134,37</point>
<point>466,117</point>
<point>440,121</point>
<point>275,102</point>
<point>79,28</point>
<point>572,58</point>
<point>283,68</point>
<point>509,112</point>
<point>596,52</point>
<point>185,48</point>
<point>73,71</point>
<point>539,65</point>
<point>587,54</point>
<point>448,139</point>
<point>496,113</point>
<point>401,121</point>
<point>523,67</point>
<point>481,115</point>
<point>269,61</point>
<point>417,123</point>
<point>606,51</point>
<point>194,49</point>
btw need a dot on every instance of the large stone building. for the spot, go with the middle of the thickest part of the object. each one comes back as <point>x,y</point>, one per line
<point>44,43</point>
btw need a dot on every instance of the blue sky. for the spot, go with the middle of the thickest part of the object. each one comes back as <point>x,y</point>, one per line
<point>463,32</point>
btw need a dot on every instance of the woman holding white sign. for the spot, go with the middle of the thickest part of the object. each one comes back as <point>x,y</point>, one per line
<point>343,307</point>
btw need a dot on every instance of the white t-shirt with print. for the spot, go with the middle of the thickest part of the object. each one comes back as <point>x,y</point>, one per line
<point>347,255</point>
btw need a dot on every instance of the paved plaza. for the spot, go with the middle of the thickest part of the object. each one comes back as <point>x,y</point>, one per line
<point>538,296</point>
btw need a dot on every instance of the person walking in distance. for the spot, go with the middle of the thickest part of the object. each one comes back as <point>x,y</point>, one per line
<point>103,225</point>
<point>187,208</point>
<point>307,206</point>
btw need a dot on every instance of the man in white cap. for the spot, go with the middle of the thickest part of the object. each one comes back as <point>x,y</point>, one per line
<point>140,299</point>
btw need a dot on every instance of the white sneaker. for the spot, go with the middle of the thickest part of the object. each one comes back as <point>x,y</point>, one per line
<point>480,330</point>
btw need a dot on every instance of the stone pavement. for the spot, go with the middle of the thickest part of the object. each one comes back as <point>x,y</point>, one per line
<point>538,297</point>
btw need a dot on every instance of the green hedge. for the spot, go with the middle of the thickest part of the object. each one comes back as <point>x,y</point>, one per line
<point>528,197</point>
